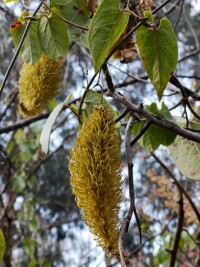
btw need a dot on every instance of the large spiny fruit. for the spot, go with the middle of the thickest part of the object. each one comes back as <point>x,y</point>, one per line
<point>38,84</point>
<point>96,177</point>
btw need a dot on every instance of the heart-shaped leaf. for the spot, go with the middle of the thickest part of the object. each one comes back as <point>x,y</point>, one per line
<point>108,23</point>
<point>159,53</point>
<point>186,155</point>
<point>53,36</point>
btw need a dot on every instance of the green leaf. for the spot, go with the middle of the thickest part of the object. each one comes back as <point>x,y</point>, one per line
<point>46,131</point>
<point>75,11</point>
<point>186,155</point>
<point>29,247</point>
<point>108,23</point>
<point>159,53</point>
<point>19,181</point>
<point>31,50</point>
<point>149,16</point>
<point>57,2</point>
<point>93,98</point>
<point>2,245</point>
<point>155,135</point>
<point>32,263</point>
<point>9,1</point>
<point>53,36</point>
<point>33,224</point>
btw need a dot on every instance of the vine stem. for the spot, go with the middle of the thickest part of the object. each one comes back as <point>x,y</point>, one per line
<point>18,50</point>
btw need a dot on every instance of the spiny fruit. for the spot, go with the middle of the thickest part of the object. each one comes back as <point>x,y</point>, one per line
<point>96,177</point>
<point>38,84</point>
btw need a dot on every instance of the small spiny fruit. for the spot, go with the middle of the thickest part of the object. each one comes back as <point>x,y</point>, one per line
<point>96,177</point>
<point>38,84</point>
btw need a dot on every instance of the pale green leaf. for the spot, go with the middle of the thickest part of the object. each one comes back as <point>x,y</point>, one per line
<point>31,50</point>
<point>2,245</point>
<point>108,23</point>
<point>19,181</point>
<point>155,135</point>
<point>186,155</point>
<point>46,131</point>
<point>32,263</point>
<point>53,36</point>
<point>149,16</point>
<point>159,53</point>
<point>33,224</point>
<point>29,246</point>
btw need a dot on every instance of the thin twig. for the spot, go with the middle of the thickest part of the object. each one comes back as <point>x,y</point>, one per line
<point>197,260</point>
<point>84,95</point>
<point>142,132</point>
<point>155,119</point>
<point>193,32</point>
<point>135,80</point>
<point>177,105</point>
<point>7,12</point>
<point>109,82</point>
<point>129,75</point>
<point>179,17</point>
<point>172,8</point>
<point>181,87</point>
<point>192,130</point>
<point>185,98</point>
<point>188,76</point>
<point>8,105</point>
<point>194,53</point>
<point>124,113</point>
<point>27,122</point>
<point>185,230</point>
<point>147,240</point>
<point>179,228</point>
<point>18,50</point>
<point>126,222</point>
